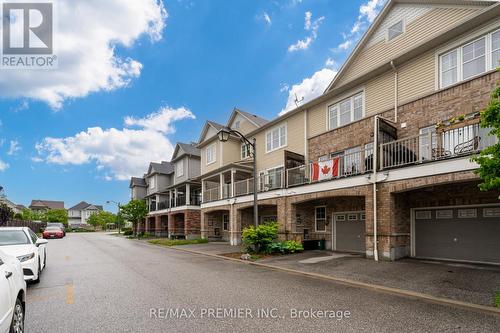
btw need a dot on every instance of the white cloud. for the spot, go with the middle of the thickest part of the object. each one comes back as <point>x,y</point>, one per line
<point>312,27</point>
<point>14,147</point>
<point>120,153</point>
<point>284,87</point>
<point>331,63</point>
<point>309,88</point>
<point>265,16</point>
<point>86,38</point>
<point>368,11</point>
<point>3,166</point>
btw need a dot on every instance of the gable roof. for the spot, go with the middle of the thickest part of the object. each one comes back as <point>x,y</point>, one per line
<point>47,204</point>
<point>164,168</point>
<point>84,205</point>
<point>256,120</point>
<point>138,181</point>
<point>182,149</point>
<point>209,124</point>
<point>379,20</point>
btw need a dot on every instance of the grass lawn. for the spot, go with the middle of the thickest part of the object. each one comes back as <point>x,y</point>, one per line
<point>173,242</point>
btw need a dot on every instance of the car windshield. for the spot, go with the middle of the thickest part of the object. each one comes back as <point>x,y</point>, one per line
<point>13,237</point>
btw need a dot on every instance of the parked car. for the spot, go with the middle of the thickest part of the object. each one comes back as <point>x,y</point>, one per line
<point>59,225</point>
<point>52,232</point>
<point>12,294</point>
<point>23,243</point>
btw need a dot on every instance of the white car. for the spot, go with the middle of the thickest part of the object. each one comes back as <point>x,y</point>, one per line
<point>24,244</point>
<point>12,294</point>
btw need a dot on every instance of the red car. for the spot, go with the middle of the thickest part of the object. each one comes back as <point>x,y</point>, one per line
<point>53,232</point>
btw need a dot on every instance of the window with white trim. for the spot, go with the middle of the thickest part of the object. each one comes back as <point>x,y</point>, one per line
<point>225,222</point>
<point>180,168</point>
<point>276,138</point>
<point>346,111</point>
<point>152,182</point>
<point>395,30</point>
<point>469,59</point>
<point>495,49</point>
<point>320,218</point>
<point>211,154</point>
<point>246,151</point>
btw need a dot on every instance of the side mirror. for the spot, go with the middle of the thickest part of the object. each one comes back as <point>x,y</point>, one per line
<point>41,241</point>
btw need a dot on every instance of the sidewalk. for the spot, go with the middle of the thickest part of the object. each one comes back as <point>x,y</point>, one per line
<point>462,282</point>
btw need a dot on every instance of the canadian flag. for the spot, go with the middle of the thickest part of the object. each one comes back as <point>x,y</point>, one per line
<point>325,170</point>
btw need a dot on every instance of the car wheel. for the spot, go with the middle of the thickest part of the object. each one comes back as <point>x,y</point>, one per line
<point>17,325</point>
<point>39,273</point>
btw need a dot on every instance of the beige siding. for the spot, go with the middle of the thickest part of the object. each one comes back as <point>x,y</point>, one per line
<point>316,118</point>
<point>231,152</point>
<point>246,126</point>
<point>379,94</point>
<point>425,27</point>
<point>211,167</point>
<point>417,78</point>
<point>295,143</point>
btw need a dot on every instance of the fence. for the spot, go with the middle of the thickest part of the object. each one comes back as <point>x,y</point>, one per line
<point>35,226</point>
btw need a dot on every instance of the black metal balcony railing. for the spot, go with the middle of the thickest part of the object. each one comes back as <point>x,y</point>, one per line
<point>152,207</point>
<point>163,205</point>
<point>454,142</point>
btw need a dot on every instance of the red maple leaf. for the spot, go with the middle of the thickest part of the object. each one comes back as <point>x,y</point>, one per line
<point>325,169</point>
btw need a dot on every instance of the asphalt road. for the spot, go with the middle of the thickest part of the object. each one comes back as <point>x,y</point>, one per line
<point>103,283</point>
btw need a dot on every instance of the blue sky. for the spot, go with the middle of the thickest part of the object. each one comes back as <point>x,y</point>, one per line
<point>175,66</point>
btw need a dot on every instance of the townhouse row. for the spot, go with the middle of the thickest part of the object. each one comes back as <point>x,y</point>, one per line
<point>378,164</point>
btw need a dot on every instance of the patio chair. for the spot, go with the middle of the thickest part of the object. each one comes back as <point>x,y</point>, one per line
<point>467,146</point>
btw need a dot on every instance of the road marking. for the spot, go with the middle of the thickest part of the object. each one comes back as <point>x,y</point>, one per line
<point>70,293</point>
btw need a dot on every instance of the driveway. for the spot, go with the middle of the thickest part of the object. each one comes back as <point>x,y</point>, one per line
<point>100,283</point>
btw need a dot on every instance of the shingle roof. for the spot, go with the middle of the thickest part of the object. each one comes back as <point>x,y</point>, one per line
<point>190,148</point>
<point>49,204</point>
<point>163,167</point>
<point>256,119</point>
<point>138,181</point>
<point>80,206</point>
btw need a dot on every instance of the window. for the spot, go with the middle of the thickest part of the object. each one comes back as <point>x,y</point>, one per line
<point>423,215</point>
<point>346,111</point>
<point>245,151</point>
<point>467,213</point>
<point>236,124</point>
<point>152,182</point>
<point>449,68</point>
<point>276,138</point>
<point>470,59</point>
<point>491,212</point>
<point>495,49</point>
<point>395,30</point>
<point>225,222</point>
<point>473,55</point>
<point>352,217</point>
<point>320,219</point>
<point>444,214</point>
<point>180,168</point>
<point>210,154</point>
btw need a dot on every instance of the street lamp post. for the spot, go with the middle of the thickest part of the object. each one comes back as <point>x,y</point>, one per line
<point>118,215</point>
<point>224,135</point>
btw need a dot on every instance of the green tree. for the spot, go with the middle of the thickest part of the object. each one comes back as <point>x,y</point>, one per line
<point>6,213</point>
<point>93,220</point>
<point>135,211</point>
<point>489,158</point>
<point>101,219</point>
<point>57,215</point>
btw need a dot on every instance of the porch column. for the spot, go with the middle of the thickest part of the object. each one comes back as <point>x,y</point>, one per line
<point>221,182</point>
<point>235,226</point>
<point>188,194</point>
<point>170,198</point>
<point>175,197</point>
<point>203,225</point>
<point>171,225</point>
<point>232,182</point>
<point>283,222</point>
<point>202,190</point>
<point>157,230</point>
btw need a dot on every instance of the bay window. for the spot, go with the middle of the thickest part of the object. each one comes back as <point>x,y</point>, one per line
<point>470,59</point>
<point>346,111</point>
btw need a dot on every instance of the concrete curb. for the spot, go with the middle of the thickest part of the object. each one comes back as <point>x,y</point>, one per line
<point>353,283</point>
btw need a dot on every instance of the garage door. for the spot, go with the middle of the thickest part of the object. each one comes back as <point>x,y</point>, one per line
<point>464,234</point>
<point>349,232</point>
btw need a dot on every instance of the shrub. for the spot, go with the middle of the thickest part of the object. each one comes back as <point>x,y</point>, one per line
<point>285,247</point>
<point>259,238</point>
<point>128,232</point>
<point>497,299</point>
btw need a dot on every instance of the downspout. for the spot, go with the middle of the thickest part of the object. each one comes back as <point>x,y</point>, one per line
<point>396,83</point>
<point>374,180</point>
